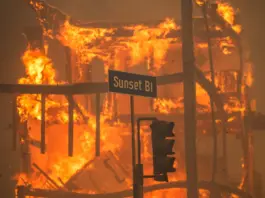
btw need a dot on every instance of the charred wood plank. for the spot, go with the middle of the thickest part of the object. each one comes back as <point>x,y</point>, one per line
<point>170,79</point>
<point>43,123</point>
<point>70,126</point>
<point>91,88</point>
<point>171,185</point>
<point>46,176</point>
<point>78,88</point>
<point>214,16</point>
<point>97,146</point>
<point>68,71</point>
<point>52,18</point>
<point>175,116</point>
<point>69,184</point>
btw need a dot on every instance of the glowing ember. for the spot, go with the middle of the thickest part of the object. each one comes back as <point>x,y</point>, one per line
<point>228,13</point>
<point>145,42</point>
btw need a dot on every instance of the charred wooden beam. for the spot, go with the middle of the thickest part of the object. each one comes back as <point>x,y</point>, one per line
<point>174,116</point>
<point>70,126</point>
<point>124,33</point>
<point>78,88</point>
<point>111,24</point>
<point>128,193</point>
<point>69,184</point>
<point>21,191</point>
<point>212,13</point>
<point>43,123</point>
<point>36,143</point>
<point>68,71</point>
<point>97,124</point>
<point>212,91</point>
<point>26,166</point>
<point>170,79</point>
<point>52,18</point>
<point>68,66</point>
<point>46,176</point>
<point>91,88</point>
<point>75,89</point>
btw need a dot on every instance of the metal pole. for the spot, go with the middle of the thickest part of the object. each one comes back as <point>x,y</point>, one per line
<point>139,166</point>
<point>43,138</point>
<point>133,147</point>
<point>214,131</point>
<point>97,124</point>
<point>139,134</point>
<point>189,98</point>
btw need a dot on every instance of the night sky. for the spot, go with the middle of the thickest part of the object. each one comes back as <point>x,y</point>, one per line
<point>15,15</point>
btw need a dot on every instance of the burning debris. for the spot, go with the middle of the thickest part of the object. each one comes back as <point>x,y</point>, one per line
<point>143,48</point>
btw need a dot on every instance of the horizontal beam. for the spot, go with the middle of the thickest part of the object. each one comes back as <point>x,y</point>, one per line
<point>76,89</point>
<point>93,88</point>
<point>173,116</point>
<point>53,18</point>
<point>127,193</point>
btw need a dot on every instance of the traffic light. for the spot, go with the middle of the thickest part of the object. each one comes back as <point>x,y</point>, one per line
<point>162,148</point>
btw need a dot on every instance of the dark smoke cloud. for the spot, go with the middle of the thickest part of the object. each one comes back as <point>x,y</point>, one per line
<point>120,10</point>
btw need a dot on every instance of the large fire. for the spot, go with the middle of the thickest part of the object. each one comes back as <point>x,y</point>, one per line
<point>146,45</point>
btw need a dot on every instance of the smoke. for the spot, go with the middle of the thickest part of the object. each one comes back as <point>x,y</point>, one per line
<point>119,10</point>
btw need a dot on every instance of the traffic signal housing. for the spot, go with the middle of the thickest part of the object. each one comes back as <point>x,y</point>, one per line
<point>162,146</point>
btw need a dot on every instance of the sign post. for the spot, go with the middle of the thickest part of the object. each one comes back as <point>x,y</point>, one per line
<point>139,85</point>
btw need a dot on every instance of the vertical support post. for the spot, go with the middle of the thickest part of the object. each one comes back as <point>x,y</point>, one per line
<point>115,106</point>
<point>139,180</point>
<point>189,98</point>
<point>21,192</point>
<point>26,151</point>
<point>133,147</point>
<point>97,124</point>
<point>15,121</point>
<point>151,68</point>
<point>214,130</point>
<point>43,134</point>
<point>139,167</point>
<point>249,139</point>
<point>70,125</point>
<point>68,67</point>
<point>89,79</point>
<point>241,67</point>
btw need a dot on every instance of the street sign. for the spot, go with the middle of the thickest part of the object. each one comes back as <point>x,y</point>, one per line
<point>132,84</point>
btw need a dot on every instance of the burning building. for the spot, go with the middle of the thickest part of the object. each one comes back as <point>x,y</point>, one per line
<point>75,137</point>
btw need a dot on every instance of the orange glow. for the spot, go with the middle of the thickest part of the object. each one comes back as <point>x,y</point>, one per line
<point>145,45</point>
<point>145,42</point>
<point>228,13</point>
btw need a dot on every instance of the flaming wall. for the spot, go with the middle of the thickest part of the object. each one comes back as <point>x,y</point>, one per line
<point>147,50</point>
